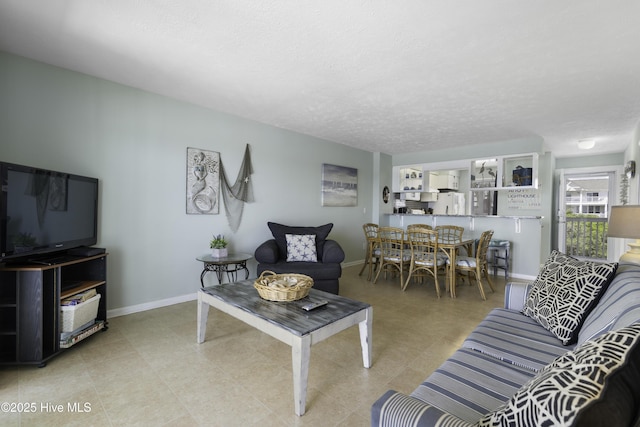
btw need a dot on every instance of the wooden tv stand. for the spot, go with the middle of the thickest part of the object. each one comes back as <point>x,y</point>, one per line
<point>30,296</point>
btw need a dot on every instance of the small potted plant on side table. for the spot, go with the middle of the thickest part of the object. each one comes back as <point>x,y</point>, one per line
<point>218,246</point>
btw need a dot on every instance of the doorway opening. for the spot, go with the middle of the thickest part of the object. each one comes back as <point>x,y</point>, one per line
<point>584,203</point>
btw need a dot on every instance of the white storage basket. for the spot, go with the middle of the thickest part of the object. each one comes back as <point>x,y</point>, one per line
<point>74,316</point>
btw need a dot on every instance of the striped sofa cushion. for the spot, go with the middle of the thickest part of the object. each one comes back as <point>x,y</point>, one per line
<point>618,307</point>
<point>395,409</point>
<point>515,338</point>
<point>470,384</point>
<point>516,294</point>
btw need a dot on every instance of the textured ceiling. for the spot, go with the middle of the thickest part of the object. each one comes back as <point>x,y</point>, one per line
<point>394,77</point>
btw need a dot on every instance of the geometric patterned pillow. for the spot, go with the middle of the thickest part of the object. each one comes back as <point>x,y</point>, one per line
<point>597,383</point>
<point>301,247</point>
<point>565,292</point>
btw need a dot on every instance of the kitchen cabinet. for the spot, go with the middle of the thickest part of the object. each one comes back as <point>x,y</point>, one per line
<point>504,172</point>
<point>408,179</point>
<point>448,180</point>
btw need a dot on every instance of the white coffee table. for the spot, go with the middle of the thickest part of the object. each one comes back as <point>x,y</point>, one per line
<point>289,323</point>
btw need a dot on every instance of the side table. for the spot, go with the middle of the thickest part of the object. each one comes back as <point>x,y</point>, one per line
<point>230,265</point>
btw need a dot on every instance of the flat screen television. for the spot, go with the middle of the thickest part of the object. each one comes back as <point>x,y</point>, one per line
<point>44,211</point>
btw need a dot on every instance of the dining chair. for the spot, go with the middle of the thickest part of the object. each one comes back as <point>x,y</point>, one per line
<point>393,254</point>
<point>372,254</point>
<point>478,264</point>
<point>450,233</point>
<point>425,259</point>
<point>411,227</point>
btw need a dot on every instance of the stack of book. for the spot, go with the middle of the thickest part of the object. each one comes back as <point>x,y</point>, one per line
<point>79,298</point>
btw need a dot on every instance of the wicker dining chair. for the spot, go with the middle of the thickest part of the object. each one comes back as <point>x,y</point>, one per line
<point>394,257</point>
<point>411,227</point>
<point>372,255</point>
<point>450,233</point>
<point>425,260</point>
<point>477,265</point>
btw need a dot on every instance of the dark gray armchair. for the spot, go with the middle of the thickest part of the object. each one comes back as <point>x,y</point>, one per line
<point>293,249</point>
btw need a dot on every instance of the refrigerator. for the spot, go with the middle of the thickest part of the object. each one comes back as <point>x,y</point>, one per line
<point>449,204</point>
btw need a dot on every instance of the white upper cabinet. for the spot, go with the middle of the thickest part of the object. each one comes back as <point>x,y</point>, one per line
<point>449,180</point>
<point>408,179</point>
<point>491,173</point>
<point>504,172</point>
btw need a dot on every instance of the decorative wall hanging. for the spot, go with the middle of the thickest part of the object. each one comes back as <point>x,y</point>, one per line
<point>624,189</point>
<point>523,198</point>
<point>203,181</point>
<point>339,185</point>
<point>242,191</point>
<point>630,168</point>
<point>629,172</point>
<point>385,194</point>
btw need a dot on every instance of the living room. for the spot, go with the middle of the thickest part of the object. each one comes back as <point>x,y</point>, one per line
<point>135,142</point>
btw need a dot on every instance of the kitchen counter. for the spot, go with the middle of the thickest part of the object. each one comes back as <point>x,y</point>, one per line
<point>467,216</point>
<point>524,232</point>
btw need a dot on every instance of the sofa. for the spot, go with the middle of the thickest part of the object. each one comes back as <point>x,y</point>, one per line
<point>564,350</point>
<point>303,250</point>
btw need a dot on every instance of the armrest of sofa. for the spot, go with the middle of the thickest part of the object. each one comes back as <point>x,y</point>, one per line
<point>332,252</point>
<point>267,252</point>
<point>397,409</point>
<point>515,295</point>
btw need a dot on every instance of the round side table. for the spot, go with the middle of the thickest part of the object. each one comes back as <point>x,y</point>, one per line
<point>230,265</point>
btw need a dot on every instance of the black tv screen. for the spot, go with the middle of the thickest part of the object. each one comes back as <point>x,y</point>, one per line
<point>43,211</point>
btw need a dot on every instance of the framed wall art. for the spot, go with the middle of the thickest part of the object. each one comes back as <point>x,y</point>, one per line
<point>203,181</point>
<point>339,185</point>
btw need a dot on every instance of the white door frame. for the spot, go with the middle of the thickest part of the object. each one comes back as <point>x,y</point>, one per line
<point>615,247</point>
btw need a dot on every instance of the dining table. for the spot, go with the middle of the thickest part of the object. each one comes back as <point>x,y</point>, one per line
<point>450,247</point>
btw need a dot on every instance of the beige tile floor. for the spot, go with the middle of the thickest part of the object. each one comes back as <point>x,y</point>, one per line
<point>148,370</point>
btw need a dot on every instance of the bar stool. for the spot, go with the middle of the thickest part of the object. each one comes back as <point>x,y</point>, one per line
<point>499,259</point>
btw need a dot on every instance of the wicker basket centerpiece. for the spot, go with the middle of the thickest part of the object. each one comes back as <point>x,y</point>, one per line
<point>283,287</point>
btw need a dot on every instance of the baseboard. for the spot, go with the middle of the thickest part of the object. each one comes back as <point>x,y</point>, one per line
<point>150,305</point>
<point>526,277</point>
<point>175,300</point>
<point>523,277</point>
<point>352,263</point>
<point>192,297</point>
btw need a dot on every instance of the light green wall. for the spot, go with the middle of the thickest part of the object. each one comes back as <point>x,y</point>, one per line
<point>384,172</point>
<point>590,161</point>
<point>135,142</point>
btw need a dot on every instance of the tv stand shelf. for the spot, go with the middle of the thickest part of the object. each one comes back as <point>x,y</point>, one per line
<point>30,313</point>
<point>84,286</point>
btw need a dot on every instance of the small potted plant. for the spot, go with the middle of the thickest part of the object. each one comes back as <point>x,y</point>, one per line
<point>218,246</point>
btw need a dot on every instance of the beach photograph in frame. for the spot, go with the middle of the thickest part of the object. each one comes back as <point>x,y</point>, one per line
<point>339,185</point>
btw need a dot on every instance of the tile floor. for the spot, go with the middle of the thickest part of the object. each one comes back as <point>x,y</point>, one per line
<point>148,370</point>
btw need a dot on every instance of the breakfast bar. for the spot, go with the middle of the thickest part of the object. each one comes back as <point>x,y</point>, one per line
<point>523,232</point>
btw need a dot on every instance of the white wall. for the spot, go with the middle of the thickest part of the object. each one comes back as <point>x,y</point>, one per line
<point>135,142</point>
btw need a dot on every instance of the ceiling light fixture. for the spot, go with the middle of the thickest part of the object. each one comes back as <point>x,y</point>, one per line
<point>586,144</point>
